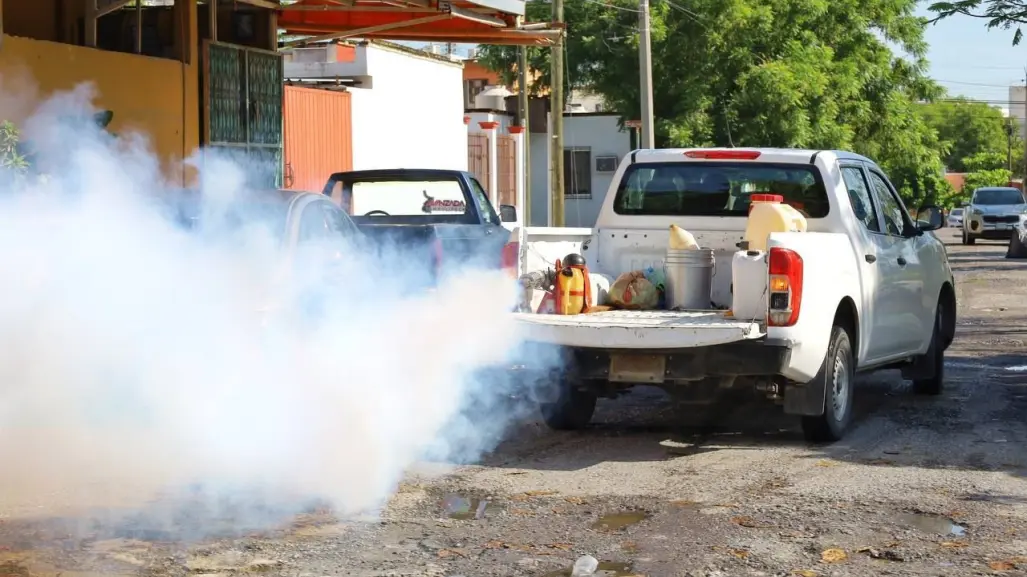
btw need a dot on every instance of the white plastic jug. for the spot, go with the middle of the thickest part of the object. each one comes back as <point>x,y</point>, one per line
<point>749,285</point>
<point>769,217</point>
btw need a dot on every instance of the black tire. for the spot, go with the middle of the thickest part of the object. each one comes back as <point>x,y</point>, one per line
<point>836,376</point>
<point>571,411</point>
<point>1016,247</point>
<point>934,358</point>
<point>968,239</point>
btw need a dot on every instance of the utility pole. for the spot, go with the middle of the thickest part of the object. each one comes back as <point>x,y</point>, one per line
<point>645,72</point>
<point>524,104</point>
<point>556,116</point>
<point>1023,186</point>
<point>1009,144</point>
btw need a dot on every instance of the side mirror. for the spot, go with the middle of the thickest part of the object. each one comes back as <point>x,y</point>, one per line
<point>507,213</point>
<point>930,217</point>
<point>964,204</point>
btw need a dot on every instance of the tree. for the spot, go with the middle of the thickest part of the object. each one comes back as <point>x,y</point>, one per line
<point>790,73</point>
<point>979,178</point>
<point>1004,14</point>
<point>966,129</point>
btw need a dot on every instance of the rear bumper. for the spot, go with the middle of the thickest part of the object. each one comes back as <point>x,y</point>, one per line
<point>758,357</point>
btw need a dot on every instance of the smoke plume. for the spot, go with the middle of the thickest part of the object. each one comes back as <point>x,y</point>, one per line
<point>141,358</point>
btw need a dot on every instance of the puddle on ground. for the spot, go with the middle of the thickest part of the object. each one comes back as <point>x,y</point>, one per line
<point>933,524</point>
<point>464,508</point>
<point>618,521</point>
<point>606,569</point>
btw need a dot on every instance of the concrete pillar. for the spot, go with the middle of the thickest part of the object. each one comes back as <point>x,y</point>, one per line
<point>489,127</point>
<point>520,163</point>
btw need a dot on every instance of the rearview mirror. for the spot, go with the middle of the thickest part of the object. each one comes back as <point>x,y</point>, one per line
<point>507,213</point>
<point>930,217</point>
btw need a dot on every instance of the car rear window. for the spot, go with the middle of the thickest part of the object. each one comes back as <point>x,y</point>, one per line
<point>716,188</point>
<point>409,197</point>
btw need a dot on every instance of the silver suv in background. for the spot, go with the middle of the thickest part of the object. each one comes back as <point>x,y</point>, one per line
<point>992,213</point>
<point>956,217</point>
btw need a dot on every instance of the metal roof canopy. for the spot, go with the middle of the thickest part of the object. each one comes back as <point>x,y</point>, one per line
<point>463,21</point>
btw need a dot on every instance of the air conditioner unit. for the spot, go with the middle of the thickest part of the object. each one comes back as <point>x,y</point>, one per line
<point>606,164</point>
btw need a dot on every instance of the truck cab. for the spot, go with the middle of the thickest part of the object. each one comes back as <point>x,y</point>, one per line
<point>864,288</point>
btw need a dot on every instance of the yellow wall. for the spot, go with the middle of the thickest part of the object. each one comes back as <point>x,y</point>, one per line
<point>154,96</point>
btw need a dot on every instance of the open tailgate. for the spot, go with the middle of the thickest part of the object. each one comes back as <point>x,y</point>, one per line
<point>638,329</point>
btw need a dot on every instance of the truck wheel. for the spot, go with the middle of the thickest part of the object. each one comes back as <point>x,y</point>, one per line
<point>967,238</point>
<point>1016,247</point>
<point>836,376</point>
<point>571,411</point>
<point>934,358</point>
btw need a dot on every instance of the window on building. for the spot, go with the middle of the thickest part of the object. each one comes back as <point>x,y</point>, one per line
<point>577,172</point>
<point>474,88</point>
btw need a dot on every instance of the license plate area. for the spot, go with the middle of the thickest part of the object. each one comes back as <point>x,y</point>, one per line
<point>638,368</point>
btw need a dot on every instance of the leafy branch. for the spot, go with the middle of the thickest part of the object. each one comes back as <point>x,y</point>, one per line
<point>1002,14</point>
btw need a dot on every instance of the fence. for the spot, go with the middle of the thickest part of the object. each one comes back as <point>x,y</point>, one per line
<point>506,158</point>
<point>478,157</point>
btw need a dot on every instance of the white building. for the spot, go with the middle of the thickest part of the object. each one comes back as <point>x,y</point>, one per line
<point>406,107</point>
<point>1018,107</point>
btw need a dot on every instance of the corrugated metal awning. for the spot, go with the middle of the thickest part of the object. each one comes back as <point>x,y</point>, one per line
<point>464,21</point>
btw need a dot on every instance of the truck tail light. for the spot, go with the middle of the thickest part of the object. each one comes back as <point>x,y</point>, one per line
<point>784,287</point>
<point>511,254</point>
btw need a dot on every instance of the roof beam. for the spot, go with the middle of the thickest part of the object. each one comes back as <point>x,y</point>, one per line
<point>269,4</point>
<point>369,29</point>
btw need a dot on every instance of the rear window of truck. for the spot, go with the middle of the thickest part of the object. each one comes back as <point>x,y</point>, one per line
<point>716,188</point>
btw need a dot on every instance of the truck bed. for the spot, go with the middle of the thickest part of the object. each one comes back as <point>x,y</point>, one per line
<point>638,329</point>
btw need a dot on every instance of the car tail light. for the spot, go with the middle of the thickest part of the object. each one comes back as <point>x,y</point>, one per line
<point>784,287</point>
<point>510,257</point>
<point>724,154</point>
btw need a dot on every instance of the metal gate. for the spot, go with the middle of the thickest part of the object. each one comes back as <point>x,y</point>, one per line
<point>478,158</point>
<point>506,158</point>
<point>242,108</point>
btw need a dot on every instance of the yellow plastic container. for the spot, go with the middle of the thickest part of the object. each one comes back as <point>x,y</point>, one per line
<point>572,291</point>
<point>769,217</point>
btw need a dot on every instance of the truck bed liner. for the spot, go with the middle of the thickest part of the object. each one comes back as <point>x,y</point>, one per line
<point>638,329</point>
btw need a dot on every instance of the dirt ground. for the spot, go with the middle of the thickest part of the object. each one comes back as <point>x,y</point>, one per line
<point>921,486</point>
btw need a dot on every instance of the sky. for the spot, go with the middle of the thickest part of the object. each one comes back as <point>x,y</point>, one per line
<point>970,60</point>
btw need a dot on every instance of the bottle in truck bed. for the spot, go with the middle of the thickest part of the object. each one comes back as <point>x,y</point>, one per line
<point>860,287</point>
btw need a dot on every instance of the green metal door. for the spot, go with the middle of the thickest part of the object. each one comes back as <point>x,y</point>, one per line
<point>242,113</point>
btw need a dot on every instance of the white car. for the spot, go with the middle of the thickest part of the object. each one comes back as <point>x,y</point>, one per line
<point>992,213</point>
<point>956,217</point>
<point>866,288</point>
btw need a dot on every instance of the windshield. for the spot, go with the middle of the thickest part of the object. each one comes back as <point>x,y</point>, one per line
<point>434,200</point>
<point>956,212</point>
<point>998,196</point>
<point>716,189</point>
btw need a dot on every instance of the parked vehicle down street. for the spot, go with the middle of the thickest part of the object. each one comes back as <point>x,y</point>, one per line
<point>992,213</point>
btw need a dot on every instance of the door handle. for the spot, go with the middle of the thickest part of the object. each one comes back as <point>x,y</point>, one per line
<point>902,261</point>
<point>870,258</point>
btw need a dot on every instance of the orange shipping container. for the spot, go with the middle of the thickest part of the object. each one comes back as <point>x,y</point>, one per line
<point>318,136</point>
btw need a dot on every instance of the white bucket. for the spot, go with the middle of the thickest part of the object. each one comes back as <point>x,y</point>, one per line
<point>689,278</point>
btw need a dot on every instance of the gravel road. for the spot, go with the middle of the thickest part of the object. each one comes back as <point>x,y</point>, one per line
<point>921,486</point>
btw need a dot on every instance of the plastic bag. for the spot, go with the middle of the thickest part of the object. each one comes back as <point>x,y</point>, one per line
<point>631,290</point>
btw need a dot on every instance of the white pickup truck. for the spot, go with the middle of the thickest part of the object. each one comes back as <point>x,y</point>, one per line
<point>869,287</point>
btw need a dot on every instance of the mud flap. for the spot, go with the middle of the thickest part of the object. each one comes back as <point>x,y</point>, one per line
<point>805,399</point>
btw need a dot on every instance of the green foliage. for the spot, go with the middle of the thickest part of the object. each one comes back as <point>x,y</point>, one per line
<point>11,156</point>
<point>1004,14</point>
<point>993,177</point>
<point>984,161</point>
<point>790,73</point>
<point>967,128</point>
